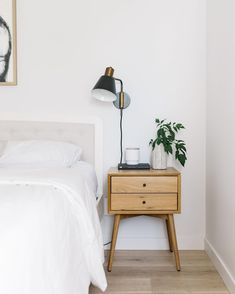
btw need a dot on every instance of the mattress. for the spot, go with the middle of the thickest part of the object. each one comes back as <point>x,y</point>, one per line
<point>50,235</point>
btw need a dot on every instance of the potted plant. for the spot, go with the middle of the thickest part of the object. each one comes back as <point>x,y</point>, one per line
<point>165,143</point>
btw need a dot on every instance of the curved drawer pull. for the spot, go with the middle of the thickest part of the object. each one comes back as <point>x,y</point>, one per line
<point>144,185</point>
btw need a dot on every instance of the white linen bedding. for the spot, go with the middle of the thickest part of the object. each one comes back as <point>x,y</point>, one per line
<point>50,235</point>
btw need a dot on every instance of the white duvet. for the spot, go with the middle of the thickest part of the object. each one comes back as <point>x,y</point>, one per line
<point>50,236</point>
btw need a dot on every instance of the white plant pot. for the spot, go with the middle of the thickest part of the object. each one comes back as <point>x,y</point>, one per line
<point>159,157</point>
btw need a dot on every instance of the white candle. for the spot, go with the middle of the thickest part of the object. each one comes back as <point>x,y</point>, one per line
<point>132,155</point>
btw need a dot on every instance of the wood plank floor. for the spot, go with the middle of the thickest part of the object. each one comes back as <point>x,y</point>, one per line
<point>153,272</point>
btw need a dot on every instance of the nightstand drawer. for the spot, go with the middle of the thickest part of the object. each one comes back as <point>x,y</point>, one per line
<point>144,184</point>
<point>142,202</point>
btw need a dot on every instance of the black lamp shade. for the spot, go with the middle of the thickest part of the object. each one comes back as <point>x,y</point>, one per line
<point>105,89</point>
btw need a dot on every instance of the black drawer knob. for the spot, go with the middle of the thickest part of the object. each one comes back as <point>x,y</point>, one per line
<point>144,185</point>
<point>144,202</point>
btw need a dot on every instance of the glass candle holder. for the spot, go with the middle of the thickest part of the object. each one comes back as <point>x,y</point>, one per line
<point>132,156</point>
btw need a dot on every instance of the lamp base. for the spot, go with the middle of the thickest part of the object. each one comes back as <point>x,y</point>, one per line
<point>125,166</point>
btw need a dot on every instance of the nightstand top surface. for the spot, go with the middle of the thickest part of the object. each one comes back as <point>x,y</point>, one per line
<point>170,171</point>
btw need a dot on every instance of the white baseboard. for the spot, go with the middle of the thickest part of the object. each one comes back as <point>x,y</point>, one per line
<point>221,267</point>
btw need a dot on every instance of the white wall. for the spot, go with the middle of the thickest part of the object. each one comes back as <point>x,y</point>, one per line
<point>220,201</point>
<point>158,48</point>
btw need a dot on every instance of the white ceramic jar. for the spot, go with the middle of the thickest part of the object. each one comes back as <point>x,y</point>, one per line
<point>159,157</point>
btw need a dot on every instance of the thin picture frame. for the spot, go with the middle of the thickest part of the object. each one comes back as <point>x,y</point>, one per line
<point>8,77</point>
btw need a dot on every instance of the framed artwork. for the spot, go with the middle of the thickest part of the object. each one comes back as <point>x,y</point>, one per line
<point>8,72</point>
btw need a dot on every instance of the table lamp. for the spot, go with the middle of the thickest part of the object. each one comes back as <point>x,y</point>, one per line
<point>105,90</point>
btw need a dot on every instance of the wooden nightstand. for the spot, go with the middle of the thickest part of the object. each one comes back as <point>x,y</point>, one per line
<point>155,193</point>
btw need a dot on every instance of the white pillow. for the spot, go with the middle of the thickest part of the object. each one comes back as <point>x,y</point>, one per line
<point>40,153</point>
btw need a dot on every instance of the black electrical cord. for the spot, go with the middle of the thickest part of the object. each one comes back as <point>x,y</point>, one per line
<point>121,135</point>
<point>105,244</point>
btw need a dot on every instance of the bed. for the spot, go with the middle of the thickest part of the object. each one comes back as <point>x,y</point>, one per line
<point>50,235</point>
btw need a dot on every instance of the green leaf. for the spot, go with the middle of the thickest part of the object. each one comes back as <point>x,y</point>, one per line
<point>154,144</point>
<point>170,149</point>
<point>183,148</point>
<point>159,141</point>
<point>182,159</point>
<point>176,154</point>
<point>161,133</point>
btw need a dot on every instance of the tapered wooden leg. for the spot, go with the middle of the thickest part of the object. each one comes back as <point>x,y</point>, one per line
<point>172,232</point>
<point>169,235</point>
<point>114,240</point>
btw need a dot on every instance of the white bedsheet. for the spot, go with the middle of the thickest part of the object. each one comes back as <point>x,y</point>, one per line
<point>50,235</point>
